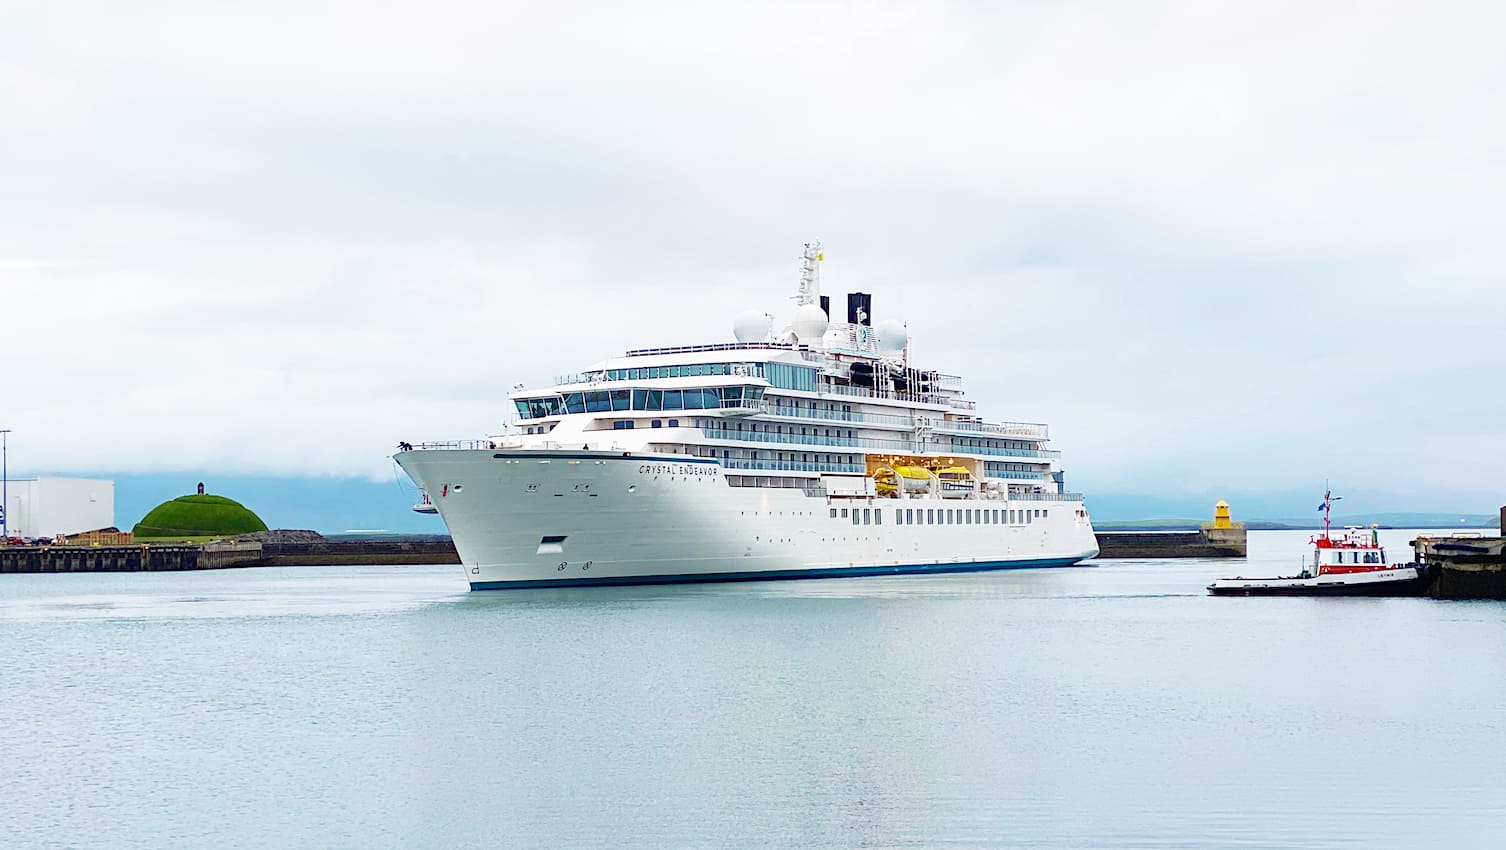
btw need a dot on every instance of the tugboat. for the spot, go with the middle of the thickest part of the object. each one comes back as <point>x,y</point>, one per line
<point>1349,563</point>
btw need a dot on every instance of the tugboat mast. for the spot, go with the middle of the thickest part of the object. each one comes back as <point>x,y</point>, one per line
<point>1328,499</point>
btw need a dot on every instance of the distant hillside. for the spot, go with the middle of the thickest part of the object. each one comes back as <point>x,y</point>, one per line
<point>1384,520</point>
<point>1182,525</point>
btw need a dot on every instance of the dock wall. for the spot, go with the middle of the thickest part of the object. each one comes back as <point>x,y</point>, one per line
<point>341,552</point>
<point>126,559</point>
<point>1464,567</point>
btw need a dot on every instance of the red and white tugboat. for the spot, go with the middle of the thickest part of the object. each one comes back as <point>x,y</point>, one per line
<point>1349,563</point>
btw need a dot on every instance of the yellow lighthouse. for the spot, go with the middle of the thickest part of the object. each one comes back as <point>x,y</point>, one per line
<point>1221,518</point>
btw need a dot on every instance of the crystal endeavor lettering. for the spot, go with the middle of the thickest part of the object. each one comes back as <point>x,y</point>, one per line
<point>678,469</point>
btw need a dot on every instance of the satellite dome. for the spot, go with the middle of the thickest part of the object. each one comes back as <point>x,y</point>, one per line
<point>892,336</point>
<point>751,326</point>
<point>809,324</point>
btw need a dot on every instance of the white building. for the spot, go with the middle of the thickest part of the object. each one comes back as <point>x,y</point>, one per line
<point>46,507</point>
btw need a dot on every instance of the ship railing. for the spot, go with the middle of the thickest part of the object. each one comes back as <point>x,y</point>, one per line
<point>1046,497</point>
<point>720,346</point>
<point>839,416</point>
<point>453,444</point>
<point>1030,430</point>
<point>989,451</point>
<point>793,466</point>
<point>1008,429</point>
<point>875,444</point>
<point>865,392</point>
<point>1017,476</point>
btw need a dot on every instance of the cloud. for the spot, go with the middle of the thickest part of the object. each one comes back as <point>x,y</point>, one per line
<point>1208,242</point>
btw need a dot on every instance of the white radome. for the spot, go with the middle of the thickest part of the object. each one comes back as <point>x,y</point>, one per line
<point>892,336</point>
<point>809,324</point>
<point>752,326</point>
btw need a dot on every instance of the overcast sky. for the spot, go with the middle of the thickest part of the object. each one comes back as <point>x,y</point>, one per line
<point>1214,245</point>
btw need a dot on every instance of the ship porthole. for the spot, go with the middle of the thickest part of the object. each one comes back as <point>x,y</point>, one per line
<point>632,488</point>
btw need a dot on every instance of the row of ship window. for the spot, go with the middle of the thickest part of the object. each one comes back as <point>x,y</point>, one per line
<point>942,516</point>
<point>782,375</point>
<point>606,401</point>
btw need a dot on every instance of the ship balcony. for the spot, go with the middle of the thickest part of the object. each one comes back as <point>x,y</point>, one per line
<point>1028,430</point>
<point>1032,477</point>
<point>1024,430</point>
<point>869,443</point>
<point>878,420</point>
<point>794,466</point>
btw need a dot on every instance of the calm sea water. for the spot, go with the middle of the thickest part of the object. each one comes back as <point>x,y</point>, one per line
<point>1111,706</point>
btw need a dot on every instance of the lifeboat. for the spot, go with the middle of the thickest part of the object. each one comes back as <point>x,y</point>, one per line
<point>957,481</point>
<point>889,480</point>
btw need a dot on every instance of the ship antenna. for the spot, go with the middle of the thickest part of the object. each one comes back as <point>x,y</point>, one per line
<point>810,274</point>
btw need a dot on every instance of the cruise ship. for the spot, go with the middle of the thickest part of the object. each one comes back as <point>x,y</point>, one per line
<point>814,450</point>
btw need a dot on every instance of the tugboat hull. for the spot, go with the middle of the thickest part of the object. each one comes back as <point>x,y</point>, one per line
<point>1403,581</point>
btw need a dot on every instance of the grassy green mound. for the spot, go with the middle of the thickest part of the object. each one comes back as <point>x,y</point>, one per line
<point>198,516</point>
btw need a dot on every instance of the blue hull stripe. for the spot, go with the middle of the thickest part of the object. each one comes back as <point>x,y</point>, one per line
<point>780,575</point>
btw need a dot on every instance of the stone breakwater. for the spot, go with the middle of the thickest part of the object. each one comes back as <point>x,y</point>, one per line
<point>1205,543</point>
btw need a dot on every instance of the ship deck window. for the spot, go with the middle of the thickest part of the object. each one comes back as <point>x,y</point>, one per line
<point>833,513</point>
<point>910,516</point>
<point>878,516</point>
<point>855,518</point>
<point>867,516</point>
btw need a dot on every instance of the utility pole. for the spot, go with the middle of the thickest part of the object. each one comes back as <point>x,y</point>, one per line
<point>4,486</point>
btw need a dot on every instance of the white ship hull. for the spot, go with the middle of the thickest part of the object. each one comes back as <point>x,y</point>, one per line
<point>538,519</point>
